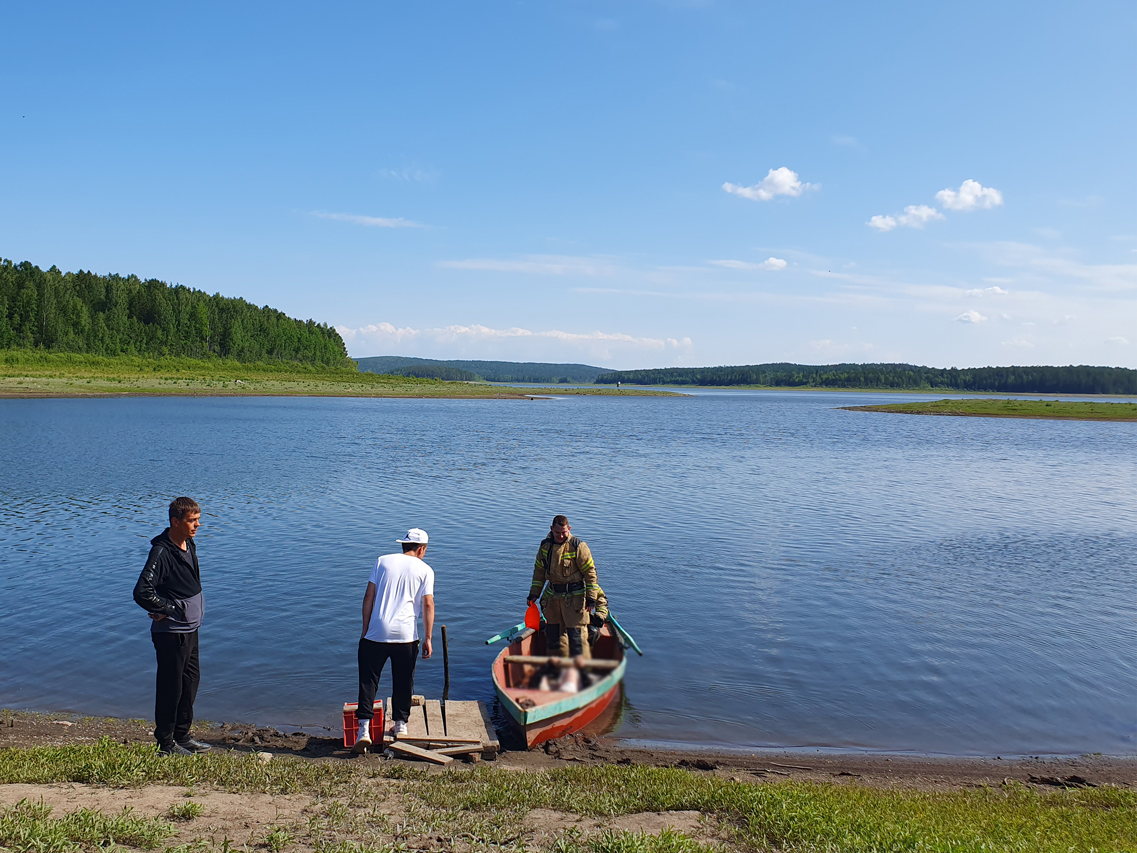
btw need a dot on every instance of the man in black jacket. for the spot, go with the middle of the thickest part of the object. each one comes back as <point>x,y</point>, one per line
<point>169,589</point>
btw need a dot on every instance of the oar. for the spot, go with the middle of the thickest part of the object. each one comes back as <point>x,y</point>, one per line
<point>627,638</point>
<point>505,635</point>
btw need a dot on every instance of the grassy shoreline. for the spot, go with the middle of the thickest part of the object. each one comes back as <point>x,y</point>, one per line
<point>30,374</point>
<point>368,806</point>
<point>1080,410</point>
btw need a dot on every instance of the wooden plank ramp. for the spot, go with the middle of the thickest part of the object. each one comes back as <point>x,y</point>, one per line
<point>471,720</point>
<point>437,731</point>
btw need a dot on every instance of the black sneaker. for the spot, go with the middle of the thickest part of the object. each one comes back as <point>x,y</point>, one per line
<point>173,749</point>
<point>191,745</point>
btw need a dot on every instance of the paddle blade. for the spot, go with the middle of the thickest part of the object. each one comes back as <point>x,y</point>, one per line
<point>533,616</point>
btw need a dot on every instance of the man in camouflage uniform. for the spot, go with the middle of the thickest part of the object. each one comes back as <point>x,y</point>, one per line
<point>565,563</point>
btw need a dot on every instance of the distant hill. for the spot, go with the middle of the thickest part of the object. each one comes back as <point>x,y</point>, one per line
<point>115,315</point>
<point>1080,379</point>
<point>489,371</point>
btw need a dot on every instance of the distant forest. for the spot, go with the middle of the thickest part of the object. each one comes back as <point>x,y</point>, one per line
<point>488,371</point>
<point>908,377</point>
<point>109,315</point>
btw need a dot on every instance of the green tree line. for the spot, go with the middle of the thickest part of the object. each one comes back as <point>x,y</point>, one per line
<point>490,371</point>
<point>110,315</point>
<point>1080,379</point>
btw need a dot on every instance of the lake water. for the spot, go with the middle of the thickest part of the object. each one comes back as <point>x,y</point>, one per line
<point>798,576</point>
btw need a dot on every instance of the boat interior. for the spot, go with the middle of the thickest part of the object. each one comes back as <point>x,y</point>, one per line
<point>523,680</point>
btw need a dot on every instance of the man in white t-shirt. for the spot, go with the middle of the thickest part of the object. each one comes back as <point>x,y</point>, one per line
<point>399,591</point>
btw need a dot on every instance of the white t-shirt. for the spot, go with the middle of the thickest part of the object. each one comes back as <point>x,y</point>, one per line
<point>401,580</point>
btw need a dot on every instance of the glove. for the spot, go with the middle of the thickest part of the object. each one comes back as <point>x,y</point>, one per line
<point>530,600</point>
<point>590,603</point>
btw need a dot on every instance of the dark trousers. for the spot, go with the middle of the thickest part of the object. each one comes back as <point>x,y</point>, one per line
<point>178,677</point>
<point>553,639</point>
<point>372,657</point>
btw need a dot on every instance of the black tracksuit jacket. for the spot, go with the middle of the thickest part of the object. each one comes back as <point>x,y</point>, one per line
<point>171,575</point>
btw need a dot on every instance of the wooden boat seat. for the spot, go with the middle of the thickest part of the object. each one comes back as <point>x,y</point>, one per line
<point>562,663</point>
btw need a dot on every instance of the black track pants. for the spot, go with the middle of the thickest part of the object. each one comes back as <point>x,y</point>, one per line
<point>372,657</point>
<point>176,687</point>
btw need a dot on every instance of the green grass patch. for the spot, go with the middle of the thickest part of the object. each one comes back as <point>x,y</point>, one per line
<point>117,766</point>
<point>490,804</point>
<point>29,828</point>
<point>1081,410</point>
<point>184,811</point>
<point>811,816</point>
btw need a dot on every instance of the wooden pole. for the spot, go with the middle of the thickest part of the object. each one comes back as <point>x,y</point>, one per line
<point>445,667</point>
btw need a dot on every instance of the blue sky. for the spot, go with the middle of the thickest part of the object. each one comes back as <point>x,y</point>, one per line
<point>627,183</point>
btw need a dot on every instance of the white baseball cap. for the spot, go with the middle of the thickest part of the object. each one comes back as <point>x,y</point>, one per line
<point>415,536</point>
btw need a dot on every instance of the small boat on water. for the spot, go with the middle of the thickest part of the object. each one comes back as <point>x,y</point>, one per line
<point>542,715</point>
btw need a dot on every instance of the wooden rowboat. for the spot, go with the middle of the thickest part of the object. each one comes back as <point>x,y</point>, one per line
<point>542,715</point>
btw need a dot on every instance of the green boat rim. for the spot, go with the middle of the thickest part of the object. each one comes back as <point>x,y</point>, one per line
<point>526,716</point>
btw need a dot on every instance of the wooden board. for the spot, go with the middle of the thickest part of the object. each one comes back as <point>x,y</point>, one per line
<point>491,736</point>
<point>459,750</point>
<point>442,740</point>
<point>463,720</point>
<point>433,712</point>
<point>562,663</point>
<point>416,724</point>
<point>417,752</point>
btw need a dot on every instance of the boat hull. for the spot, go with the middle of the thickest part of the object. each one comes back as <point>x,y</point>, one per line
<point>541,716</point>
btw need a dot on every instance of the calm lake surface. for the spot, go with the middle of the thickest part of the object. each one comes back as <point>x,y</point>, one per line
<point>798,576</point>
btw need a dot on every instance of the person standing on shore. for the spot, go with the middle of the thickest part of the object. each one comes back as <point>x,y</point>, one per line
<point>169,589</point>
<point>399,591</point>
<point>565,562</point>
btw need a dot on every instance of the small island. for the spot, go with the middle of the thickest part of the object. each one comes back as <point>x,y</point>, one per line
<point>1081,410</point>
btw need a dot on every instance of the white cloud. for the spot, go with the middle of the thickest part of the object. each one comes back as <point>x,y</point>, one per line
<point>846,141</point>
<point>971,317</point>
<point>1117,339</point>
<point>777,182</point>
<point>971,195</point>
<point>514,343</point>
<point>917,216</point>
<point>1019,343</point>
<point>914,216</point>
<point>986,291</point>
<point>537,264</point>
<point>768,264</point>
<point>373,221</point>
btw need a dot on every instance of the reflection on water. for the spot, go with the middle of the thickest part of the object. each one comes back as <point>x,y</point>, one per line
<point>797,575</point>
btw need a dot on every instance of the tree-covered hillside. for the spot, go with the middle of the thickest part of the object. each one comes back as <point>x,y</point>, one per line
<point>908,377</point>
<point>82,312</point>
<point>490,371</point>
